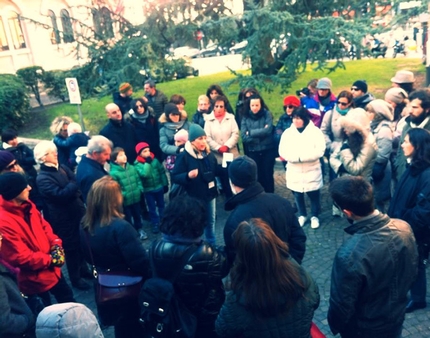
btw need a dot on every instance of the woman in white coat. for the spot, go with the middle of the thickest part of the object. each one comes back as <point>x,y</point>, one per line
<point>222,136</point>
<point>302,146</point>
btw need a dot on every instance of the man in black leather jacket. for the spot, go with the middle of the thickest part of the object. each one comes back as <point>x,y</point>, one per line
<point>373,269</point>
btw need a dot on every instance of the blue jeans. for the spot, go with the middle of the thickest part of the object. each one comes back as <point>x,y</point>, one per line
<point>211,217</point>
<point>154,200</point>
<point>314,196</point>
<point>132,215</point>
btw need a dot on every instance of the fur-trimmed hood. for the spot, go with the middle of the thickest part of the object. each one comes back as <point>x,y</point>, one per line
<point>163,118</point>
<point>190,150</point>
<point>356,121</point>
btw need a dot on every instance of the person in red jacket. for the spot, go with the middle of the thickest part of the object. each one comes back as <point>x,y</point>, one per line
<point>29,243</point>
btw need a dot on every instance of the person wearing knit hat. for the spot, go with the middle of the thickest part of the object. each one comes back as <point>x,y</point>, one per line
<point>357,153</point>
<point>195,170</point>
<point>291,102</point>
<point>398,99</point>
<point>396,95</point>
<point>323,102</point>
<point>154,182</point>
<point>381,114</point>
<point>404,79</point>
<point>42,253</point>
<point>250,201</point>
<point>123,97</point>
<point>7,161</point>
<point>360,94</point>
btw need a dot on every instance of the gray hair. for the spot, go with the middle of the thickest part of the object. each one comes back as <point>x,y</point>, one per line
<point>74,128</point>
<point>150,82</point>
<point>42,149</point>
<point>98,144</point>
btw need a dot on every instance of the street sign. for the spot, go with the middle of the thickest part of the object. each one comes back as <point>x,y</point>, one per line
<point>73,89</point>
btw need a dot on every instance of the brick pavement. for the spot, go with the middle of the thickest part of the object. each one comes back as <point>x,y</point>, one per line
<point>321,247</point>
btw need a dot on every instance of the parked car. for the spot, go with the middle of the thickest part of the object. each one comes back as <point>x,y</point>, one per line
<point>239,47</point>
<point>185,51</point>
<point>212,50</point>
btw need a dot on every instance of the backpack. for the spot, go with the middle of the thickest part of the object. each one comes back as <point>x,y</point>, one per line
<point>162,312</point>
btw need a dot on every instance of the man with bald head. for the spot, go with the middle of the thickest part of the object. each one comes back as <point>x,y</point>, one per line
<point>120,132</point>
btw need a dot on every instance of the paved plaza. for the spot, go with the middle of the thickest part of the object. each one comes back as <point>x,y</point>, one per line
<point>321,247</point>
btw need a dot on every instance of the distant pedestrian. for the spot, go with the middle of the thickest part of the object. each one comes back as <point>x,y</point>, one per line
<point>59,127</point>
<point>155,98</point>
<point>123,97</point>
<point>202,110</point>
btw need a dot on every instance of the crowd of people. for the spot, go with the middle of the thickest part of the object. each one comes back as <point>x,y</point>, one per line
<point>93,198</point>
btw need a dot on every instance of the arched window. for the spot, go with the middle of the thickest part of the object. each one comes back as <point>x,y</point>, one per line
<point>3,40</point>
<point>67,26</point>
<point>103,23</point>
<point>16,31</point>
<point>55,34</point>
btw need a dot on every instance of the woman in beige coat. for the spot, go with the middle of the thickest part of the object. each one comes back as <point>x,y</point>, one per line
<point>222,136</point>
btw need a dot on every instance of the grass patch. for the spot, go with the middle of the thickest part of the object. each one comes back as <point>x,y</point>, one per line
<point>377,73</point>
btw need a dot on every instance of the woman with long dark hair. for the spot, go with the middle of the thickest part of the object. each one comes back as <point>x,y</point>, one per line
<point>111,243</point>
<point>411,202</point>
<point>270,295</point>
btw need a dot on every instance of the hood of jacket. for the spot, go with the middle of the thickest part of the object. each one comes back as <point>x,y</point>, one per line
<point>190,150</point>
<point>163,118</point>
<point>67,320</point>
<point>356,120</point>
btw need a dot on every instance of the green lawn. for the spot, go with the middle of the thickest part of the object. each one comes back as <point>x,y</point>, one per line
<point>377,73</point>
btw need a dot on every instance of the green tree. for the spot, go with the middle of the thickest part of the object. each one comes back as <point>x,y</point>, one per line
<point>14,101</point>
<point>32,77</point>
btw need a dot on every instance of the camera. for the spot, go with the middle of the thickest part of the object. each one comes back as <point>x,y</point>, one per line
<point>304,90</point>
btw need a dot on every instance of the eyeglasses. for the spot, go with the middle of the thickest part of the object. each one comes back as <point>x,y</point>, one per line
<point>138,105</point>
<point>10,166</point>
<point>290,107</point>
<point>342,103</point>
<point>354,89</point>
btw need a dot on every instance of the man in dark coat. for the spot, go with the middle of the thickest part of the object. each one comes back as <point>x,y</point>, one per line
<point>91,166</point>
<point>120,132</point>
<point>373,269</point>
<point>123,98</point>
<point>250,201</point>
<point>360,95</point>
<point>155,98</point>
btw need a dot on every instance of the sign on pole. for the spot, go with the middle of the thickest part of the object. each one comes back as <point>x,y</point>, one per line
<point>73,89</point>
<point>75,96</point>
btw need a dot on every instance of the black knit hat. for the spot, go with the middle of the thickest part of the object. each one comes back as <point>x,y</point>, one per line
<point>171,108</point>
<point>6,157</point>
<point>11,185</point>
<point>360,84</point>
<point>243,171</point>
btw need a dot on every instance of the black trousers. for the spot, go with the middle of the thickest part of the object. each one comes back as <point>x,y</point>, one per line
<point>61,291</point>
<point>265,165</point>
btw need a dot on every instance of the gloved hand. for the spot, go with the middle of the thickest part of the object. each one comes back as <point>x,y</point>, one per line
<point>166,189</point>
<point>223,149</point>
<point>58,257</point>
<point>148,159</point>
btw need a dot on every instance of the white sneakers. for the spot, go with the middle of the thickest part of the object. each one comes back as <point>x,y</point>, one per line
<point>315,222</point>
<point>302,220</point>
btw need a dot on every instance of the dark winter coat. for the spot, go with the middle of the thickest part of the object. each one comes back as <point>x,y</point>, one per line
<point>87,173</point>
<point>25,158</point>
<point>129,180</point>
<point>363,101</point>
<point>203,186</point>
<point>285,122</point>
<point>123,135</point>
<point>199,118</point>
<point>63,199</point>
<point>236,320</point>
<point>372,273</point>
<point>411,202</point>
<point>28,250</point>
<point>199,287</point>
<point>157,102</point>
<point>75,141</point>
<point>147,130</point>
<point>400,162</point>
<point>117,247</point>
<point>63,149</point>
<point>123,102</point>
<point>253,202</point>
<point>256,131</point>
<point>16,317</point>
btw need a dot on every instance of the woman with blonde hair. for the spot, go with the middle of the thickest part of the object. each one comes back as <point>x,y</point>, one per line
<point>114,245</point>
<point>59,129</point>
<point>195,169</point>
<point>257,306</point>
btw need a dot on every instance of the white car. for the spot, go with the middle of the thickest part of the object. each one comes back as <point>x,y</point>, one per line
<point>239,47</point>
<point>185,51</point>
